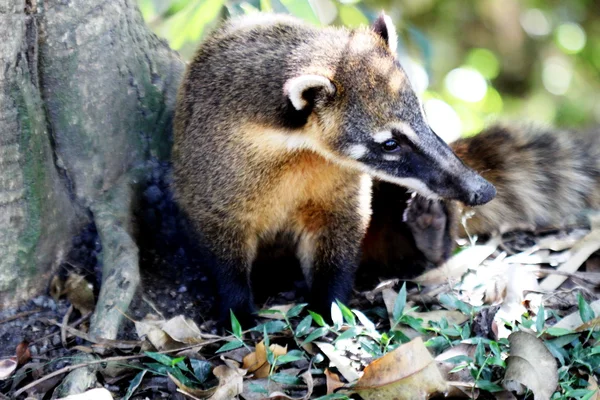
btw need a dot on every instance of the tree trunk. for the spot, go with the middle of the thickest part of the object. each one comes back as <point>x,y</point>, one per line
<point>86,98</point>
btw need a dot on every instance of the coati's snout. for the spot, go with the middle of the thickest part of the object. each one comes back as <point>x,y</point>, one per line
<point>413,156</point>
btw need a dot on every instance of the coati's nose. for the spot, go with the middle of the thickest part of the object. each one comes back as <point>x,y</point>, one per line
<point>485,193</point>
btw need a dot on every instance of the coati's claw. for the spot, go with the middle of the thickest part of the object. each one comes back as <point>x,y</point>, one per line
<point>428,222</point>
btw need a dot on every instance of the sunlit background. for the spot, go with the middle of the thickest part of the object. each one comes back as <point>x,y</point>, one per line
<point>472,61</point>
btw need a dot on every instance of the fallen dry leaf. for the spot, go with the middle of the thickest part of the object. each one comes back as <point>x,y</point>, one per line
<point>579,253</point>
<point>231,382</point>
<point>530,364</point>
<point>256,362</point>
<point>456,266</point>
<point>336,359</point>
<point>80,293</point>
<point>23,353</point>
<point>7,367</point>
<point>94,394</point>
<point>593,385</point>
<point>409,372</point>
<point>183,330</point>
<point>169,334</point>
<point>333,381</point>
<point>573,321</point>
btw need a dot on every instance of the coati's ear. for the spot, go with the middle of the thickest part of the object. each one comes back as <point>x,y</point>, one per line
<point>299,89</point>
<point>384,27</point>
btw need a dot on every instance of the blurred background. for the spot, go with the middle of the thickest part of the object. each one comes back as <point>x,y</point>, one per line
<point>471,61</point>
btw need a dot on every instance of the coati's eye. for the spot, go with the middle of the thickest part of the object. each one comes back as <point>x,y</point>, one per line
<point>390,146</point>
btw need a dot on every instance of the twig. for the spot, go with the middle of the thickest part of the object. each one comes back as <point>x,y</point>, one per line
<point>20,315</point>
<point>117,344</point>
<point>70,368</point>
<point>63,328</point>
<point>118,358</point>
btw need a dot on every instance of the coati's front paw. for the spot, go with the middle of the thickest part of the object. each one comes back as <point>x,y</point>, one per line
<point>428,221</point>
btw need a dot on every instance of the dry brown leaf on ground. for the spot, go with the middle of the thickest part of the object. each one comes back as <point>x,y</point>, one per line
<point>183,330</point>
<point>231,381</point>
<point>387,284</point>
<point>256,362</point>
<point>308,379</point>
<point>333,381</point>
<point>7,367</point>
<point>593,385</point>
<point>199,393</point>
<point>530,364</point>
<point>151,328</point>
<point>580,252</point>
<point>409,372</point>
<point>573,321</point>
<point>94,394</point>
<point>458,265</point>
<point>338,360</point>
<point>169,334</point>
<point>80,293</point>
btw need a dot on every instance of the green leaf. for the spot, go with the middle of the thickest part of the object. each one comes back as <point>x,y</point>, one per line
<point>286,379</point>
<point>558,331</point>
<point>371,347</point>
<point>254,388</point>
<point>347,313</point>
<point>585,311</point>
<point>317,318</point>
<point>295,311</point>
<point>333,396</point>
<point>453,303</point>
<point>351,16</point>
<point>293,355</point>
<point>230,346</point>
<point>317,333</point>
<point>134,384</point>
<point>161,358</point>
<point>350,333</point>
<point>271,327</point>
<point>400,303</point>
<point>236,328</point>
<point>459,359</point>
<point>540,320</point>
<point>303,326</point>
<point>366,322</point>
<point>202,369</point>
<point>336,316</point>
<point>480,354</point>
<point>489,386</point>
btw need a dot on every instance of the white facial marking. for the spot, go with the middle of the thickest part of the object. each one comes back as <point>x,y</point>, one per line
<point>382,136</point>
<point>406,130</point>
<point>295,88</point>
<point>356,151</point>
<point>391,157</point>
<point>392,35</point>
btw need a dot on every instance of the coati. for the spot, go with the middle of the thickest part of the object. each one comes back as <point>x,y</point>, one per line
<point>279,127</point>
<point>543,177</point>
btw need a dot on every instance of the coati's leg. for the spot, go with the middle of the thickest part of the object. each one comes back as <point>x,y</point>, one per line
<point>330,256</point>
<point>432,227</point>
<point>232,258</point>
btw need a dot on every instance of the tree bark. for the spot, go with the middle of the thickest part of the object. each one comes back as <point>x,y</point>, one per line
<point>86,98</point>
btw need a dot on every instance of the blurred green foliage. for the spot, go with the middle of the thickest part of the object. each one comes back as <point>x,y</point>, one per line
<point>472,61</point>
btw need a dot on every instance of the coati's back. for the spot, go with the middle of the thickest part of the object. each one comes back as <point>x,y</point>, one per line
<point>543,176</point>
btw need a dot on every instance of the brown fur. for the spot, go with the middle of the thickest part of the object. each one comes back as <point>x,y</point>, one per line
<point>275,132</point>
